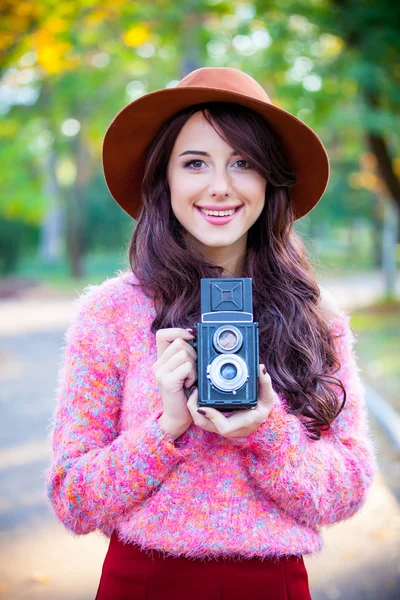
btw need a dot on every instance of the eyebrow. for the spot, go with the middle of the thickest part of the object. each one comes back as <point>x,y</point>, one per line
<point>200,153</point>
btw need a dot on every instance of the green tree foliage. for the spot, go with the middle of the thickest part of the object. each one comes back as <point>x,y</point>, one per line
<point>67,67</point>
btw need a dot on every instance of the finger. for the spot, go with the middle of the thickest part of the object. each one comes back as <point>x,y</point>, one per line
<point>199,420</point>
<point>165,337</point>
<point>192,404</point>
<point>264,384</point>
<point>174,380</point>
<point>177,373</point>
<point>266,393</point>
<point>176,346</point>
<point>176,361</point>
<point>191,378</point>
<point>216,418</point>
<point>239,419</point>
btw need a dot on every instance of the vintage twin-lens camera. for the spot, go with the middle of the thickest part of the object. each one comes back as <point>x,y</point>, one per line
<point>227,345</point>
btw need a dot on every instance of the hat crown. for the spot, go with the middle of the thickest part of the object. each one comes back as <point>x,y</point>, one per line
<point>128,136</point>
<point>227,79</point>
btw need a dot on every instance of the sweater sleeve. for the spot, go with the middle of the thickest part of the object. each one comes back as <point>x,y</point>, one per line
<point>97,473</point>
<point>323,481</point>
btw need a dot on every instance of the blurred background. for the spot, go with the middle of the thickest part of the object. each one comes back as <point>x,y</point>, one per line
<point>66,69</point>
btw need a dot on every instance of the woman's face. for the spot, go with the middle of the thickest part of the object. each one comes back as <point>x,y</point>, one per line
<point>205,172</point>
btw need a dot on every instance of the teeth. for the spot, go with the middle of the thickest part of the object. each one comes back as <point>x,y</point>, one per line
<point>218,213</point>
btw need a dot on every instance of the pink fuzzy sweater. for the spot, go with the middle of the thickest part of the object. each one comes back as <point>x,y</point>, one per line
<point>203,495</point>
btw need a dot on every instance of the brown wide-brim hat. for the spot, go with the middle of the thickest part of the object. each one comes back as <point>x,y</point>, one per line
<point>131,131</point>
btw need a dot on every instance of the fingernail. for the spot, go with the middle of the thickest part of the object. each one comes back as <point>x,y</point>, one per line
<point>264,370</point>
<point>202,412</point>
<point>190,330</point>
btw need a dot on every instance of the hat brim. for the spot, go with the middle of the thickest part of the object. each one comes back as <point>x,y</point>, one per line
<point>133,128</point>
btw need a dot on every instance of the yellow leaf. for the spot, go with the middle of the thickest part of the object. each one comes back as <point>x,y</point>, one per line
<point>136,36</point>
<point>364,179</point>
<point>55,25</point>
<point>49,59</point>
<point>97,16</point>
<point>114,3</point>
<point>330,45</point>
<point>6,39</point>
<point>66,9</point>
<point>368,160</point>
<point>25,9</point>
<point>51,53</point>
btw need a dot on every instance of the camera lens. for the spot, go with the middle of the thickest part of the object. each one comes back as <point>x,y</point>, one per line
<point>227,338</point>
<point>228,372</point>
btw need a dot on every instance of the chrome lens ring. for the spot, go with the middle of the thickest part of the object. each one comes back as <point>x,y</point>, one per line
<point>228,385</point>
<point>227,338</point>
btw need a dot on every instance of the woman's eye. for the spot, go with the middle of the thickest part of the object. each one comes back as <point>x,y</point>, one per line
<point>193,162</point>
<point>244,161</point>
<point>190,162</point>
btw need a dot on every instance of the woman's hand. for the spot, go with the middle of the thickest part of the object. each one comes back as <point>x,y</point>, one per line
<point>175,370</point>
<point>239,423</point>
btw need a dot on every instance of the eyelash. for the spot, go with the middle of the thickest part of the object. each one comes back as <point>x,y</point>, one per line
<point>198,160</point>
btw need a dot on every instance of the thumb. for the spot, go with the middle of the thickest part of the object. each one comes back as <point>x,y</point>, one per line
<point>265,389</point>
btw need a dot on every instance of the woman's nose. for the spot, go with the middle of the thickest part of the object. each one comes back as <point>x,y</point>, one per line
<point>220,184</point>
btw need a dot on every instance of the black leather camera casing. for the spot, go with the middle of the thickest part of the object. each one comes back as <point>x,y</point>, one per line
<point>227,345</point>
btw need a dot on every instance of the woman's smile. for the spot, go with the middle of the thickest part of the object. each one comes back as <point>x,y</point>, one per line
<point>219,217</point>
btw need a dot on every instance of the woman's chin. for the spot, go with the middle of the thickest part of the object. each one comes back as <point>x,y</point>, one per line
<point>216,243</point>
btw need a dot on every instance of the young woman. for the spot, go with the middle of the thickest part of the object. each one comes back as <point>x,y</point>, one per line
<point>200,503</point>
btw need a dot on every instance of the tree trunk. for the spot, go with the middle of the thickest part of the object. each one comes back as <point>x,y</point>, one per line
<point>389,245</point>
<point>379,147</point>
<point>51,234</point>
<point>74,246</point>
<point>377,232</point>
<point>76,215</point>
<point>191,43</point>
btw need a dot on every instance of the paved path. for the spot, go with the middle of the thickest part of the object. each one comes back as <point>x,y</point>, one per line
<point>39,559</point>
<point>357,290</point>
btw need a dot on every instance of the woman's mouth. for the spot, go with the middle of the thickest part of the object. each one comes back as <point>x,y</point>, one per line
<point>220,217</point>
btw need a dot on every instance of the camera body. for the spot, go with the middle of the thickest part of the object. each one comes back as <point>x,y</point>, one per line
<point>227,345</point>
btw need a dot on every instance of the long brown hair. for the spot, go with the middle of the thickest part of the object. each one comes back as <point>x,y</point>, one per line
<point>295,341</point>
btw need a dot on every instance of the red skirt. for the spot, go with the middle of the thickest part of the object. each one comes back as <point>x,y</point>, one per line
<point>131,574</point>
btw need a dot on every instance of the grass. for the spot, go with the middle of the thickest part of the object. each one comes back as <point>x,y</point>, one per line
<point>378,333</point>
<point>58,279</point>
